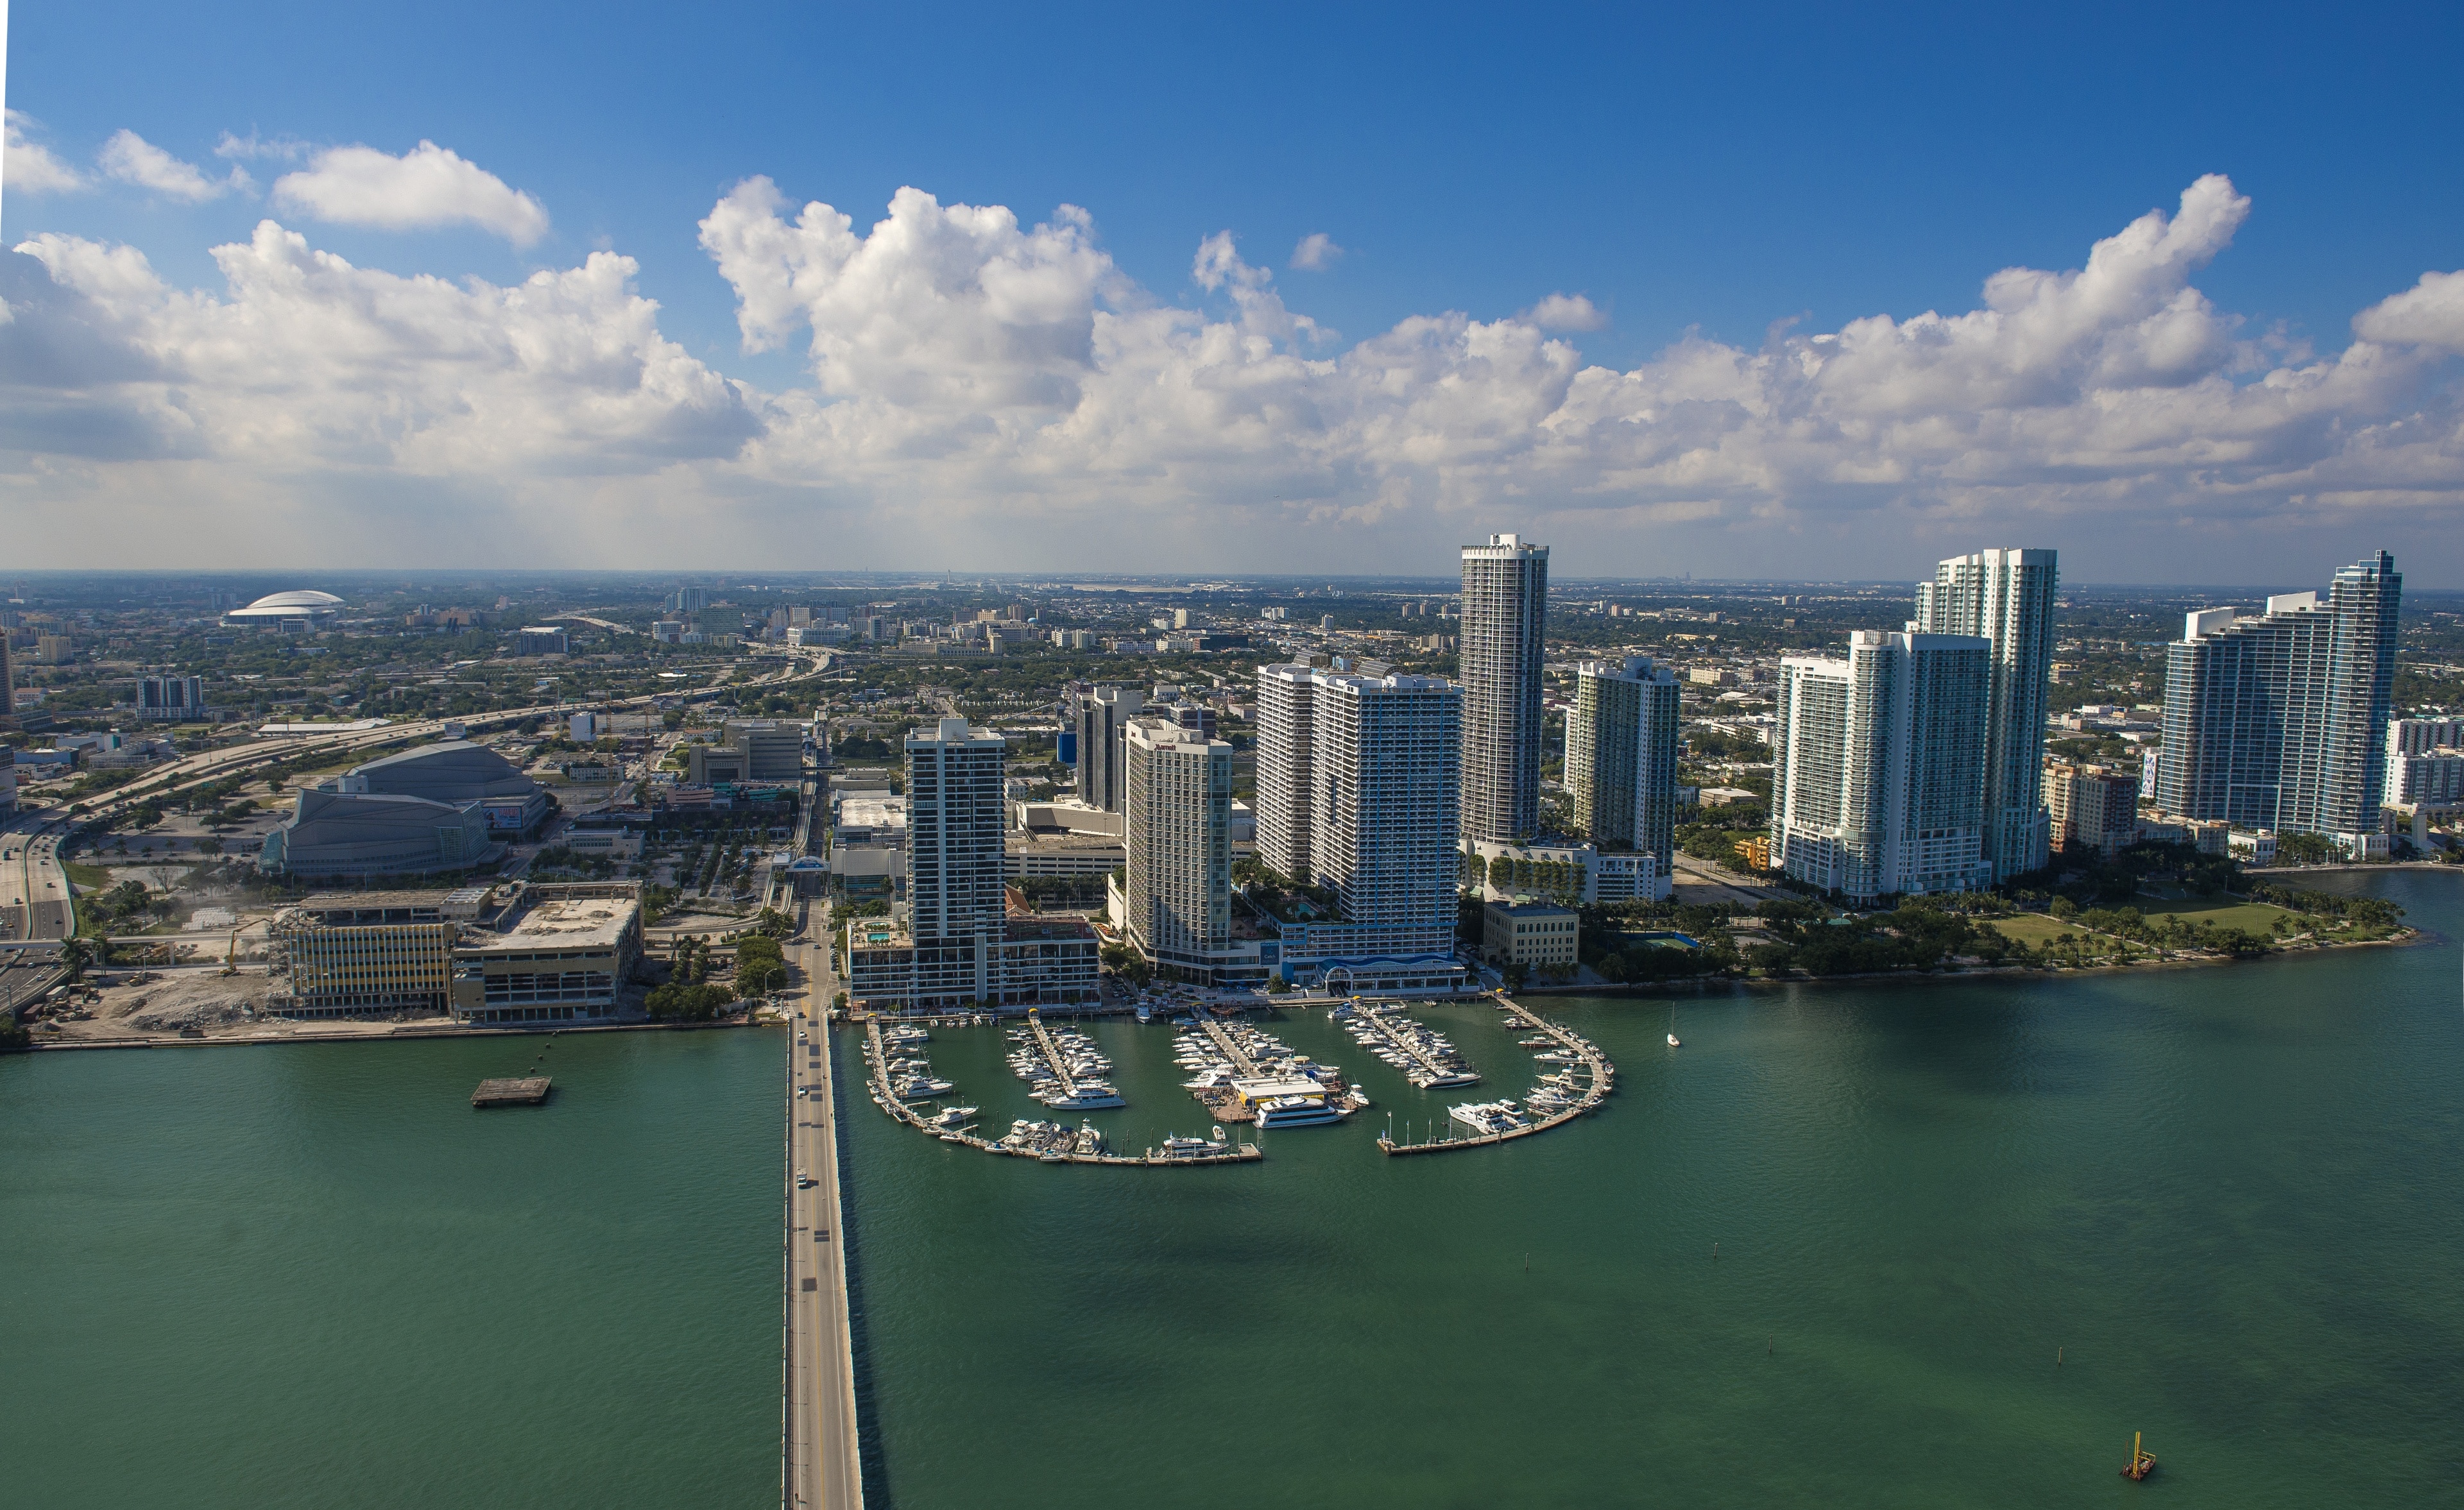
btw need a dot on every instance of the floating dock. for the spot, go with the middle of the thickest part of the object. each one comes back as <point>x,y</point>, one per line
<point>878,1075</point>
<point>1410,1040</point>
<point>527,1090</point>
<point>1602,1080</point>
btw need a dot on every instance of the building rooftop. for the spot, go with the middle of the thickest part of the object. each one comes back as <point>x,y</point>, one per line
<point>557,923</point>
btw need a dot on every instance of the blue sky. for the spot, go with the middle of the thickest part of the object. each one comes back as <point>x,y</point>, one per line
<point>1681,171</point>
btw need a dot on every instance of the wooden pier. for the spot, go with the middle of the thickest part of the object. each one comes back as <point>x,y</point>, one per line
<point>1051,1053</point>
<point>528,1091</point>
<point>1604,1080</point>
<point>877,1073</point>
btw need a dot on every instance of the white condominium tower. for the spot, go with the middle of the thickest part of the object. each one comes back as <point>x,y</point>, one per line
<point>1878,766</point>
<point>1285,708</point>
<point>1622,756</point>
<point>955,852</point>
<point>1383,815</point>
<point>2007,598</point>
<point>2280,721</point>
<point>1177,801</point>
<point>1505,613</point>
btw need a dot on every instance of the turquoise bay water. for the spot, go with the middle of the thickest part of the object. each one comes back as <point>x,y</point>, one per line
<point>312,1275</point>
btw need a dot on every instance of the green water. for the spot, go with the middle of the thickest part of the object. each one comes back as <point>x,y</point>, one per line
<point>314,1277</point>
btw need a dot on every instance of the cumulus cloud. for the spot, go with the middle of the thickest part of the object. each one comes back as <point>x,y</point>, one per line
<point>306,361</point>
<point>426,187</point>
<point>131,158</point>
<point>1316,252</point>
<point>983,389</point>
<point>1567,312</point>
<point>30,167</point>
<point>287,149</point>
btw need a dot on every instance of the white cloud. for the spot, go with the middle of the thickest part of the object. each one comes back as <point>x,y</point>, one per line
<point>991,393</point>
<point>131,158</point>
<point>1316,252</point>
<point>287,149</point>
<point>1567,312</point>
<point>425,187</point>
<point>29,167</point>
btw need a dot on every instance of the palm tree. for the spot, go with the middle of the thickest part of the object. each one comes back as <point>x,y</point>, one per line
<point>75,955</point>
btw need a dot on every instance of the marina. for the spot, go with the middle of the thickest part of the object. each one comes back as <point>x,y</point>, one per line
<point>1245,1074</point>
<point>1064,1067</point>
<point>1426,1056</point>
<point>1044,1142</point>
<point>1560,1097</point>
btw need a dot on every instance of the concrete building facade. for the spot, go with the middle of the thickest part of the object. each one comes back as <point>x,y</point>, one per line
<point>1877,781</point>
<point>1101,716</point>
<point>1177,799</point>
<point>1283,719</point>
<point>1622,756</point>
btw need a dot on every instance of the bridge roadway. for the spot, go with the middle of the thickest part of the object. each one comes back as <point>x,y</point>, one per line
<point>821,1449</point>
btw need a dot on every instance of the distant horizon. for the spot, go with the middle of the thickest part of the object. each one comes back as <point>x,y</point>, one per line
<point>958,581</point>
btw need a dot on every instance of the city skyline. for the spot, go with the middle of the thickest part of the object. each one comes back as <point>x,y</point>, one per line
<point>354,322</point>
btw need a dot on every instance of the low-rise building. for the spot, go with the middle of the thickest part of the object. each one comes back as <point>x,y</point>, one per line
<point>1038,961</point>
<point>1534,934</point>
<point>515,953</point>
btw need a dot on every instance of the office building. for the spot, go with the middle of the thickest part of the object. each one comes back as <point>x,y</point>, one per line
<point>1101,716</point>
<point>172,699</point>
<point>1505,615</point>
<point>7,680</point>
<point>1536,935</point>
<point>541,639</point>
<point>1177,807</point>
<point>1285,742</point>
<point>7,778</point>
<point>772,751</point>
<point>2005,597</point>
<point>2091,807</point>
<point>688,599</point>
<point>1877,781</point>
<point>2278,721</point>
<point>1622,756</point>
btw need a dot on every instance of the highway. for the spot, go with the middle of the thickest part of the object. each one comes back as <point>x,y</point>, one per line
<point>822,1458</point>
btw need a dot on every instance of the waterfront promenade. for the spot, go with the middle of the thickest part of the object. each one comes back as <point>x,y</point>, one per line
<point>821,1449</point>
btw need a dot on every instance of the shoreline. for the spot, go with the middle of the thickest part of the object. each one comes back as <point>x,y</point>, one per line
<point>2408,936</point>
<point>407,1031</point>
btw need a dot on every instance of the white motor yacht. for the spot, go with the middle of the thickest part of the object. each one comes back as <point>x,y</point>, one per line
<point>1296,1111</point>
<point>1085,1096</point>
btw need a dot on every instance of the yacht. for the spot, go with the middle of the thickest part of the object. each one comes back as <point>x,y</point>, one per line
<point>1295,1111</point>
<point>1086,1096</point>
<point>1190,1147</point>
<point>922,1087</point>
<point>1088,1139</point>
<point>951,1116</point>
<point>1672,1025</point>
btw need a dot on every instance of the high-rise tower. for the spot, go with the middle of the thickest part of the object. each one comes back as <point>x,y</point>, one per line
<point>1505,615</point>
<point>2279,720</point>
<point>1877,773</point>
<point>2007,598</point>
<point>1622,756</point>
<point>1287,749</point>
<point>1177,822</point>
<point>956,854</point>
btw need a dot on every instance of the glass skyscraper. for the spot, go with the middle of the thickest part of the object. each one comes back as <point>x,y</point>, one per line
<point>1505,614</point>
<point>2004,596</point>
<point>2279,720</point>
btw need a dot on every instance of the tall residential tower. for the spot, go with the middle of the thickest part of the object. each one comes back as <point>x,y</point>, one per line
<point>1622,756</point>
<point>1878,766</point>
<point>2004,596</point>
<point>2279,720</point>
<point>1505,613</point>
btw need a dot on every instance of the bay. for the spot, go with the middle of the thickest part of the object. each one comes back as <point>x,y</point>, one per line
<point>2228,1196</point>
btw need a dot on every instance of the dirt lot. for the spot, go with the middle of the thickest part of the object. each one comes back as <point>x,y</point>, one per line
<point>146,1003</point>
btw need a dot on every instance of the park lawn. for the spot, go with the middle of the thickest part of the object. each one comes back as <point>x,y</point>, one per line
<point>85,877</point>
<point>2033,929</point>
<point>2256,918</point>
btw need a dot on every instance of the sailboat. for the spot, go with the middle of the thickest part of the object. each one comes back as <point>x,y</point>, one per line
<point>1672,1025</point>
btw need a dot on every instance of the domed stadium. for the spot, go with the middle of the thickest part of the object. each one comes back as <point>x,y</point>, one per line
<point>312,607</point>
